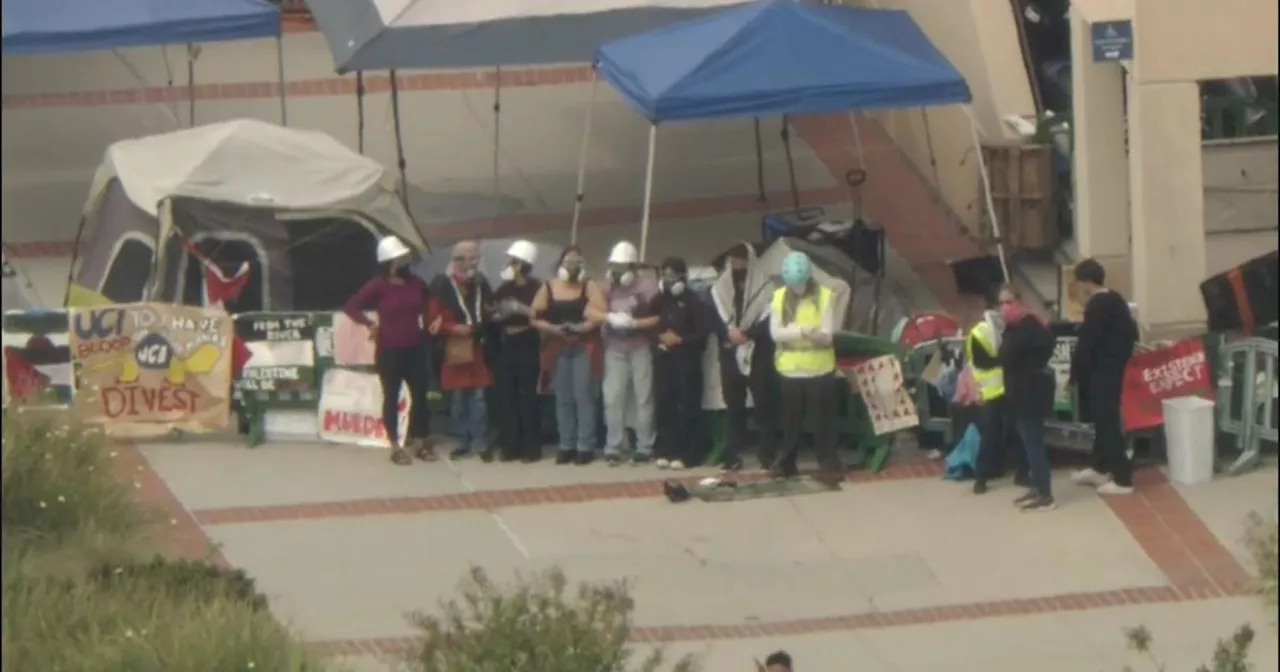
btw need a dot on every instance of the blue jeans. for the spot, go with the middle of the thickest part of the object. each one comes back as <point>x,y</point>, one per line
<point>1031,431</point>
<point>628,396</point>
<point>576,400</point>
<point>467,411</point>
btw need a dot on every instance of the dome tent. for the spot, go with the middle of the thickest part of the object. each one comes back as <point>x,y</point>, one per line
<point>303,210</point>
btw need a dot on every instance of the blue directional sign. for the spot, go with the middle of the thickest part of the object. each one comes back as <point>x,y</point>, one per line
<point>1112,41</point>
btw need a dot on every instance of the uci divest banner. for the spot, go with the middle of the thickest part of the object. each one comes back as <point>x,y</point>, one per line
<point>146,368</point>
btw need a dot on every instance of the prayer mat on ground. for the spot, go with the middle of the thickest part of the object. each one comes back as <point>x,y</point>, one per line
<point>785,487</point>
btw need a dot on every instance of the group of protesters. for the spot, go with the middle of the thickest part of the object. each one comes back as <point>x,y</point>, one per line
<point>624,340</point>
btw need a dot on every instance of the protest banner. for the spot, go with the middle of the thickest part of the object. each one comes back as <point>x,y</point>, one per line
<point>1178,370</point>
<point>146,368</point>
<point>880,383</point>
<point>37,357</point>
<point>1060,362</point>
<point>282,353</point>
<point>350,409</point>
<point>351,343</point>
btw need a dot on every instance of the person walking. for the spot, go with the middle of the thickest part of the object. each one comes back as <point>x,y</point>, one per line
<point>519,357</point>
<point>464,300</point>
<point>678,317</point>
<point>998,438</point>
<point>400,301</point>
<point>1105,341</point>
<point>802,326</point>
<point>628,361</point>
<point>572,353</point>
<point>740,311</point>
<point>1026,346</point>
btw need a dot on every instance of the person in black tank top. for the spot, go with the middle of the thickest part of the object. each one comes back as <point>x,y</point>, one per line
<point>560,314</point>
<point>519,358</point>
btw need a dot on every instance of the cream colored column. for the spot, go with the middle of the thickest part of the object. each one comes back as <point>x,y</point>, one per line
<point>1167,208</point>
<point>1100,168</point>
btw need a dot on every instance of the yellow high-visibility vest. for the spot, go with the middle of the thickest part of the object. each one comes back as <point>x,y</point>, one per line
<point>804,357</point>
<point>990,381</point>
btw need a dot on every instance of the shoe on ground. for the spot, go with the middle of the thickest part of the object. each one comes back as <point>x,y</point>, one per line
<point>585,458</point>
<point>1026,497</point>
<point>662,463</point>
<point>641,458</point>
<point>564,457</point>
<point>1089,477</point>
<point>1113,488</point>
<point>676,465</point>
<point>613,460</point>
<point>979,488</point>
<point>459,453</point>
<point>729,466</point>
<point>1039,503</point>
<point>486,456</point>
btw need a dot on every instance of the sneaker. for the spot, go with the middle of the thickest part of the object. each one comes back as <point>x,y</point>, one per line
<point>979,488</point>
<point>662,463</point>
<point>584,458</point>
<point>640,458</point>
<point>1026,497</point>
<point>459,453</point>
<point>676,465</point>
<point>733,465</point>
<point>1039,503</point>
<point>1113,488</point>
<point>1089,477</point>
<point>564,457</point>
<point>613,460</point>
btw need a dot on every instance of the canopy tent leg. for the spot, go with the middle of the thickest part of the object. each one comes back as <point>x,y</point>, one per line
<point>857,142</point>
<point>986,192</point>
<point>759,161</point>
<point>647,208</point>
<point>933,157</point>
<point>791,164</point>
<point>395,123</point>
<point>497,143</point>
<point>582,162</point>
<point>360,110</point>
<point>191,86</point>
<point>284,108</point>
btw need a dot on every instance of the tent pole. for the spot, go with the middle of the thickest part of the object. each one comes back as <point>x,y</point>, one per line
<point>759,161</point>
<point>648,191</point>
<point>191,88</point>
<point>582,162</point>
<point>933,157</point>
<point>360,110</point>
<point>986,190</point>
<point>395,122</point>
<point>75,258</point>
<point>284,108</point>
<point>791,164</point>
<point>497,143</point>
<point>857,142</point>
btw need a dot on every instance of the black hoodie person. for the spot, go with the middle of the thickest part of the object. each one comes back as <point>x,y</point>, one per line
<point>738,316</point>
<point>678,317</point>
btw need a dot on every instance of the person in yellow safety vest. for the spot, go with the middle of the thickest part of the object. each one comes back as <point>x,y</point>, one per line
<point>802,326</point>
<point>999,442</point>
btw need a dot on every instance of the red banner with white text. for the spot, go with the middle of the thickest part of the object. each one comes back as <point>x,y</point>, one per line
<point>1179,370</point>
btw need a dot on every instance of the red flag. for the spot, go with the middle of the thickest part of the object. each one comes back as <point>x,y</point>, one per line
<point>25,381</point>
<point>218,287</point>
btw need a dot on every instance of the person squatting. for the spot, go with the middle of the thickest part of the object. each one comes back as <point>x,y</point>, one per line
<point>621,355</point>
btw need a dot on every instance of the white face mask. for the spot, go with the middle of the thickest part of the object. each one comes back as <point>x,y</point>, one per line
<point>674,287</point>
<point>508,274</point>
<point>623,278</point>
<point>571,274</point>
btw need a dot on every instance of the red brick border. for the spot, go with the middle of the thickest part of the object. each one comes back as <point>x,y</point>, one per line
<point>500,499</point>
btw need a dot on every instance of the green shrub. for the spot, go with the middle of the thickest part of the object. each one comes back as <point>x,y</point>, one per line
<point>194,580</point>
<point>58,481</point>
<point>534,625</point>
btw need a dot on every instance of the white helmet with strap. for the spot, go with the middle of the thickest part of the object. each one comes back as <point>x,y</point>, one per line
<point>624,253</point>
<point>524,251</point>
<point>391,248</point>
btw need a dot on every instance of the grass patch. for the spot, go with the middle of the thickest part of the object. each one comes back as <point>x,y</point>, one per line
<point>79,593</point>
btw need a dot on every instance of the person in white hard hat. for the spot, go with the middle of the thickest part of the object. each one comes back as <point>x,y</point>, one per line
<point>519,357</point>
<point>400,300</point>
<point>628,360</point>
<point>464,304</point>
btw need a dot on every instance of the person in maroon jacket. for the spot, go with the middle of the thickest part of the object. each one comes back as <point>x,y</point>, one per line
<point>400,300</point>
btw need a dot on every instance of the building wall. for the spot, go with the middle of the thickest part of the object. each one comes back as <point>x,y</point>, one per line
<point>1241,208</point>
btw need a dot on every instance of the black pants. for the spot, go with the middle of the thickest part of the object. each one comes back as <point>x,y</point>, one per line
<point>816,398</point>
<point>397,367</point>
<point>1110,454</point>
<point>1001,447</point>
<point>734,386</point>
<point>516,383</point>
<point>677,395</point>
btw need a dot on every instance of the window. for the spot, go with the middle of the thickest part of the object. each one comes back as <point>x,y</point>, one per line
<point>129,270</point>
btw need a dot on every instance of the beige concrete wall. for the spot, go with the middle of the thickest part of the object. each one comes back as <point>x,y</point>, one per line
<point>980,38</point>
<point>1187,40</point>
<point>1240,201</point>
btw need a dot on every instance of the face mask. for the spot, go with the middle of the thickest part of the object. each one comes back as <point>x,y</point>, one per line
<point>570,273</point>
<point>738,274</point>
<point>1010,312</point>
<point>673,287</point>
<point>622,278</point>
<point>400,271</point>
<point>508,274</point>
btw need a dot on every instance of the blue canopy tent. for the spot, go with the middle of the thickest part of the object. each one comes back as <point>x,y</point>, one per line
<point>33,27</point>
<point>777,57</point>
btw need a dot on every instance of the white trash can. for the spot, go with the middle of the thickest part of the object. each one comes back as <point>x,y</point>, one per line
<point>1189,439</point>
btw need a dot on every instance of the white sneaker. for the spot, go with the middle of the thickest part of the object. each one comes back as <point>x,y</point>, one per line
<point>1111,488</point>
<point>1089,477</point>
<point>662,463</point>
<point>676,465</point>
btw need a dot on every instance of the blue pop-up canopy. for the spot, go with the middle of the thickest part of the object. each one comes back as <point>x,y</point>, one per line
<point>59,26</point>
<point>780,57</point>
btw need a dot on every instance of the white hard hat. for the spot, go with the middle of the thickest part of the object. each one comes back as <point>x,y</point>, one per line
<point>390,248</point>
<point>624,253</point>
<point>524,251</point>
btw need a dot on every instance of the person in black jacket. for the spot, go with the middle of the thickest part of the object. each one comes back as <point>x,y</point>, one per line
<point>1104,344</point>
<point>739,311</point>
<point>999,447</point>
<point>1026,346</point>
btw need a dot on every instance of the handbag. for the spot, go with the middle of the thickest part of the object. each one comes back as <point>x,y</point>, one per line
<point>459,351</point>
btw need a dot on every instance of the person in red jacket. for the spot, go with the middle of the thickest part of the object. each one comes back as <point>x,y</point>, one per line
<point>399,299</point>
